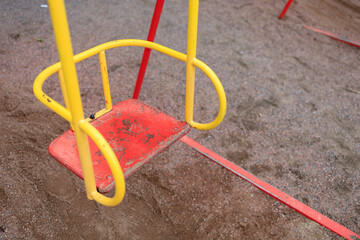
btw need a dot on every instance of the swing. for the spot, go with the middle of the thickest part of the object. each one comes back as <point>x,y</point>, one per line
<point>114,142</point>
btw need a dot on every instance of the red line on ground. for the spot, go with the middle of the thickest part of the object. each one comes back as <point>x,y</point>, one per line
<point>335,37</point>
<point>272,191</point>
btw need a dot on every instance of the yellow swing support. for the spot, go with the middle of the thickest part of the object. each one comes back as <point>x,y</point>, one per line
<point>73,110</point>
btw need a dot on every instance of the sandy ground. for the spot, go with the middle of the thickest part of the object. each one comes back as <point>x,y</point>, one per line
<point>292,120</point>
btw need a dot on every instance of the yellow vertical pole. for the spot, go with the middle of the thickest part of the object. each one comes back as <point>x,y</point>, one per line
<point>63,91</point>
<point>63,42</point>
<point>191,55</point>
<point>105,80</point>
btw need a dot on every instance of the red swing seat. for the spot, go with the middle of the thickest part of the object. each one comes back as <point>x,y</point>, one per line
<point>136,132</point>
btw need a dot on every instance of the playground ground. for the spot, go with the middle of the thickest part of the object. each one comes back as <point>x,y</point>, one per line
<point>292,120</point>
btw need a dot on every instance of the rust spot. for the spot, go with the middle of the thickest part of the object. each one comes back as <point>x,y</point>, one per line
<point>148,137</point>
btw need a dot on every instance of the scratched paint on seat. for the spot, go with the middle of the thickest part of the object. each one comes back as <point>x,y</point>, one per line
<point>135,131</point>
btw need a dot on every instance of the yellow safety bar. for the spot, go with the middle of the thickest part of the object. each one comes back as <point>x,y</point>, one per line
<point>73,112</point>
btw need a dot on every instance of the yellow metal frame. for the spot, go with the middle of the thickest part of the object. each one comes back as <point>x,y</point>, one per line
<point>73,110</point>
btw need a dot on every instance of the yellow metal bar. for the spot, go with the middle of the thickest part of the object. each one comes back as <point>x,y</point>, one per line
<point>191,55</point>
<point>63,112</point>
<point>113,163</point>
<point>131,42</point>
<point>105,80</point>
<point>221,95</point>
<point>62,87</point>
<point>98,114</point>
<point>63,42</point>
<point>45,99</point>
<point>63,91</point>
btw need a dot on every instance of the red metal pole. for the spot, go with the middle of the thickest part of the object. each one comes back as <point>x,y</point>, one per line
<point>147,51</point>
<point>272,191</point>
<point>285,9</point>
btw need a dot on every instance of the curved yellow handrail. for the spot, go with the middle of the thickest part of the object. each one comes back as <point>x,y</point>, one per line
<point>45,99</point>
<point>221,94</point>
<point>140,43</point>
<point>113,163</point>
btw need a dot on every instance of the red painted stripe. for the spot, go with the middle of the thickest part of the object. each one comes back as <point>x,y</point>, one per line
<point>272,191</point>
<point>335,37</point>
<point>151,36</point>
<point>285,9</point>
